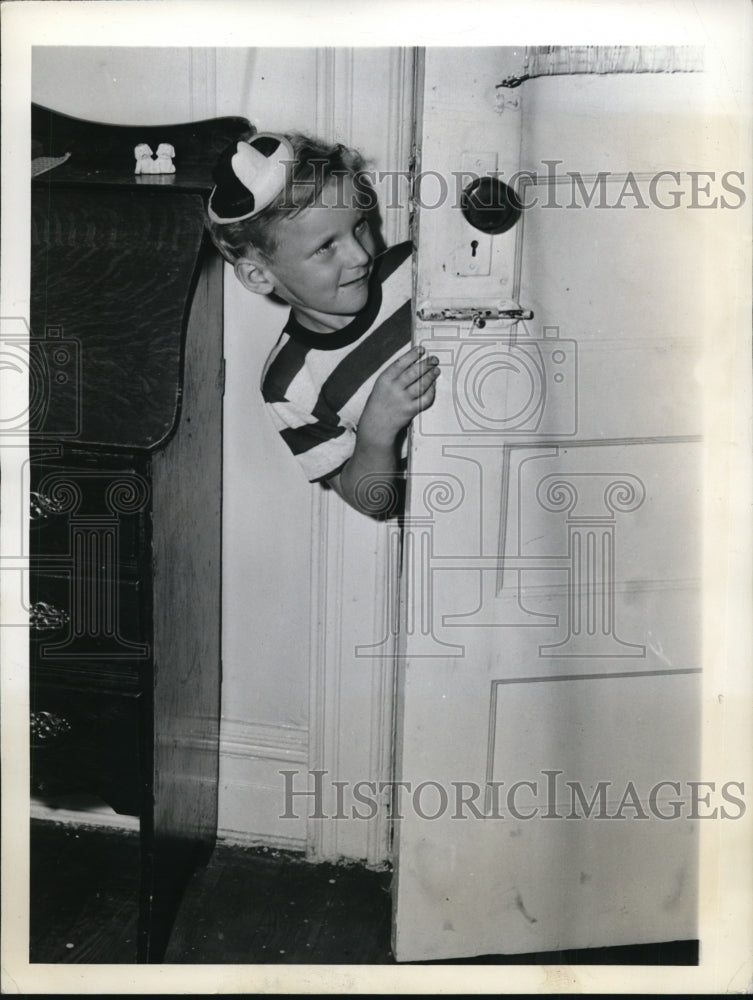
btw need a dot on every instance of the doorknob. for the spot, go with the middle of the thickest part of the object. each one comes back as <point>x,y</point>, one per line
<point>490,205</point>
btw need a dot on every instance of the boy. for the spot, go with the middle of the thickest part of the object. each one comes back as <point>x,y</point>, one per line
<point>293,216</point>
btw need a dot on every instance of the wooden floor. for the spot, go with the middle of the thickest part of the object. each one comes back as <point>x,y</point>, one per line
<point>247,906</point>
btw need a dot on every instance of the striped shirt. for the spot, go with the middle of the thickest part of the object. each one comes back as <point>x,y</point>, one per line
<point>316,385</point>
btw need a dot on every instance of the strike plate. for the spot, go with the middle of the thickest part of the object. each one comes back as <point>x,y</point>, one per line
<point>471,314</point>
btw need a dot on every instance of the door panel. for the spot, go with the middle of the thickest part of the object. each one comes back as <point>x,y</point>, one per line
<point>549,689</point>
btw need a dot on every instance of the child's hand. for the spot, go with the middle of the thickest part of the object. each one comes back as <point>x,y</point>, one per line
<point>401,391</point>
<point>367,480</point>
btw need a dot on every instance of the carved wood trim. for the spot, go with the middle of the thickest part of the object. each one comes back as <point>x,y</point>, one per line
<point>331,665</point>
<point>399,137</point>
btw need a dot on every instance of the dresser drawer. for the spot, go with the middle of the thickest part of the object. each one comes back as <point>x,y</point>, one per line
<point>91,618</point>
<point>82,511</point>
<point>84,740</point>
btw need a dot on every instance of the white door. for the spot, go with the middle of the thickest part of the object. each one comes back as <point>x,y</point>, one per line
<point>549,689</point>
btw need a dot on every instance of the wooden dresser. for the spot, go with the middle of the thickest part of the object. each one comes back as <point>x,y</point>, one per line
<point>125,481</point>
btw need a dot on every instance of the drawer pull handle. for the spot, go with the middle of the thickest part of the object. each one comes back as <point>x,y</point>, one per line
<point>45,617</point>
<point>47,727</point>
<point>42,507</point>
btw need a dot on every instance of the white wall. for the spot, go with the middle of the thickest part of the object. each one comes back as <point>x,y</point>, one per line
<point>267,506</point>
<point>302,577</point>
<point>120,85</point>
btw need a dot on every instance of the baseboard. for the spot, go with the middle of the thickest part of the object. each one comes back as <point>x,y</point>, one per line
<point>251,797</point>
<point>104,818</point>
<point>251,794</point>
<point>265,741</point>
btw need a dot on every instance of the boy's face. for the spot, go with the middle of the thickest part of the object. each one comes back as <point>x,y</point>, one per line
<point>323,260</point>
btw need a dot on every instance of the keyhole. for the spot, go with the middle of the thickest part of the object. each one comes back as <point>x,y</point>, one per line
<point>474,245</point>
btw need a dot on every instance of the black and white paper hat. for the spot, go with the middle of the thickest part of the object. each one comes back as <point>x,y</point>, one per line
<point>248,177</point>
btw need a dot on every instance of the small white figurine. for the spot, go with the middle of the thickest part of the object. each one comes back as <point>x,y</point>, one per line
<point>146,162</point>
<point>164,163</point>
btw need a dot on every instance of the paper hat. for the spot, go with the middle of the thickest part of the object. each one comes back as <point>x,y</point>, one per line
<point>248,177</point>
